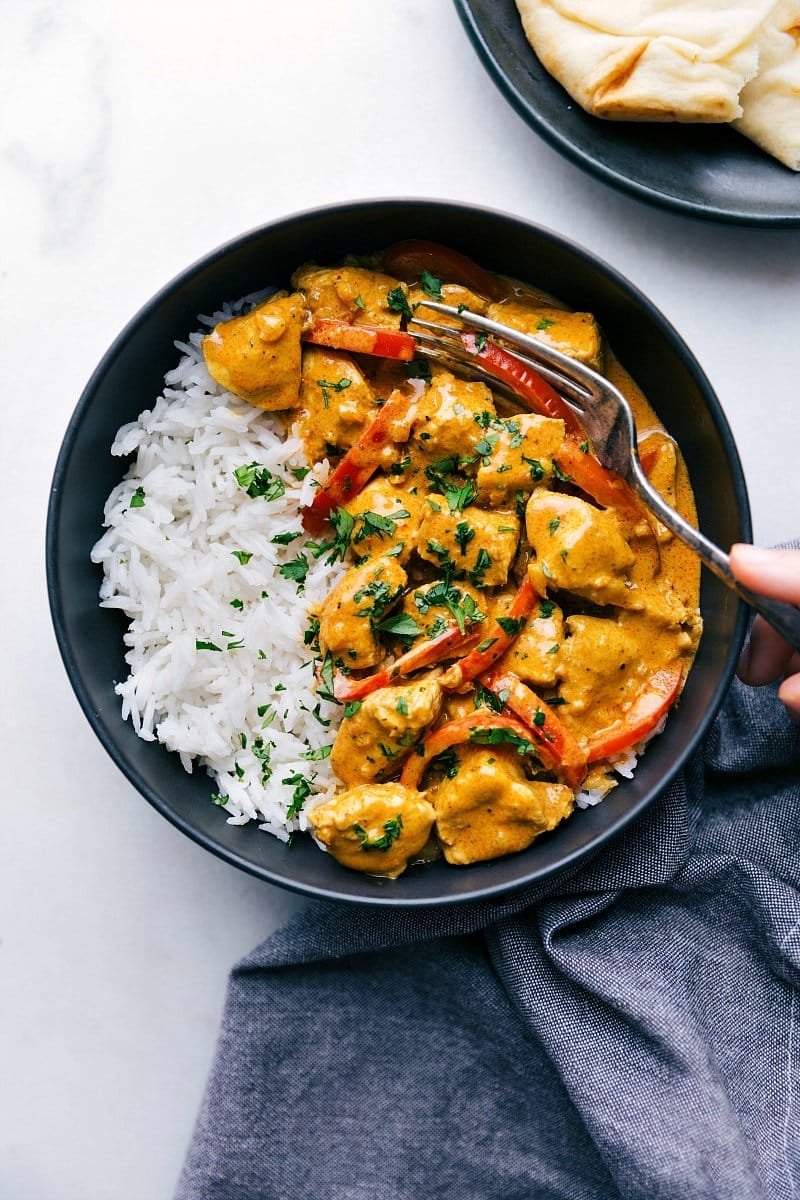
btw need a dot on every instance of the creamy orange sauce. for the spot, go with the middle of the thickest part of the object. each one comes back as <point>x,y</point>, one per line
<point>468,511</point>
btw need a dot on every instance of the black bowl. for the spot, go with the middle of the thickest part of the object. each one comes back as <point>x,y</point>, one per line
<point>131,375</point>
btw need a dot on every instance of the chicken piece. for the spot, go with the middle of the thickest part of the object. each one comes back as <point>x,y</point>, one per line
<point>453,294</point>
<point>477,544</point>
<point>374,741</point>
<point>348,618</point>
<point>435,606</point>
<point>534,656</point>
<point>351,294</point>
<point>257,356</point>
<point>516,454</point>
<point>375,828</point>
<point>489,808</point>
<point>573,333</point>
<point>387,521</point>
<point>578,548</point>
<point>450,416</point>
<point>337,401</point>
<point>601,667</point>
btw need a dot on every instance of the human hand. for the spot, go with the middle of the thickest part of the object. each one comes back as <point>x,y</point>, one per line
<point>767,656</point>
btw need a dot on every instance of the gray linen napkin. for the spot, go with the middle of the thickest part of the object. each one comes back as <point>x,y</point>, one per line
<point>628,1030</point>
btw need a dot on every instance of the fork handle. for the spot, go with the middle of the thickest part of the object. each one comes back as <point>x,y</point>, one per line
<point>783,617</point>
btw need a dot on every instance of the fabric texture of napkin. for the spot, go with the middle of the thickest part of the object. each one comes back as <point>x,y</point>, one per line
<point>629,1030</point>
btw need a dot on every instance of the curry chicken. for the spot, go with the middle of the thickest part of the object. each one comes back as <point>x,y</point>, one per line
<point>513,624</point>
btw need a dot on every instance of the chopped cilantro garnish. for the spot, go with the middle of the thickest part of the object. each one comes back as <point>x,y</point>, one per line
<point>397,301</point>
<point>376,524</point>
<point>545,323</point>
<point>464,535</point>
<point>554,649</point>
<point>243,556</point>
<point>300,472</point>
<point>326,387</point>
<point>480,342</point>
<point>447,762</point>
<point>537,470</point>
<point>302,790</point>
<point>359,303</point>
<point>217,798</point>
<point>391,832</point>
<point>343,524</point>
<point>510,625</point>
<point>311,635</point>
<point>460,604</point>
<point>137,499</point>
<point>486,445</point>
<point>546,608</point>
<point>283,539</point>
<point>399,468</point>
<point>459,497</point>
<point>402,706</point>
<point>207,646</point>
<point>352,707</point>
<point>237,604</point>
<point>441,552</point>
<point>559,474</point>
<point>402,626</point>
<point>482,564</point>
<point>259,481</point>
<point>484,419</point>
<point>554,524</point>
<point>318,754</point>
<point>325,686</point>
<point>296,569</point>
<point>485,644</point>
<point>431,285</point>
<point>495,737</point>
<point>585,447</point>
<point>485,698</point>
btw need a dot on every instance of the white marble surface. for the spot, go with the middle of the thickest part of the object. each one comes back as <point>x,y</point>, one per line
<point>135,135</point>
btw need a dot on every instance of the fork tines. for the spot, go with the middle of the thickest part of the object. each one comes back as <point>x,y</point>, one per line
<point>571,379</point>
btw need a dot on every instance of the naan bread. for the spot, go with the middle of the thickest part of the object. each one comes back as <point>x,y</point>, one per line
<point>649,60</point>
<point>771,101</point>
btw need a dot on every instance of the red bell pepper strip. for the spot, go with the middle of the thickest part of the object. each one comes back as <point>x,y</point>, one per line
<point>655,699</point>
<point>361,461</point>
<point>362,339</point>
<point>580,465</point>
<point>492,647</point>
<point>407,260</point>
<point>455,733</point>
<point>524,380</point>
<point>608,489</point>
<point>423,655</point>
<point>558,747</point>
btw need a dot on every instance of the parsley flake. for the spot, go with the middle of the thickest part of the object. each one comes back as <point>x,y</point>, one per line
<point>391,832</point>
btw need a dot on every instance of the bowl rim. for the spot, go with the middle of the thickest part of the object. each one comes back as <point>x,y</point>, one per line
<point>54,582</point>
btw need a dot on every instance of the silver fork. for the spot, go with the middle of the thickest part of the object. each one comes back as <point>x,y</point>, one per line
<point>609,423</point>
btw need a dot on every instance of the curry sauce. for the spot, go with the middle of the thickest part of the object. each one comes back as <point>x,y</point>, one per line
<point>513,623</point>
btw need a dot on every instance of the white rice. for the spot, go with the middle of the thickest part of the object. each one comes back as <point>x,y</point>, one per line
<point>170,565</point>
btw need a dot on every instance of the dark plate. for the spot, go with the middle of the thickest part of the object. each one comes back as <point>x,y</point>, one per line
<point>131,375</point>
<point>704,170</point>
